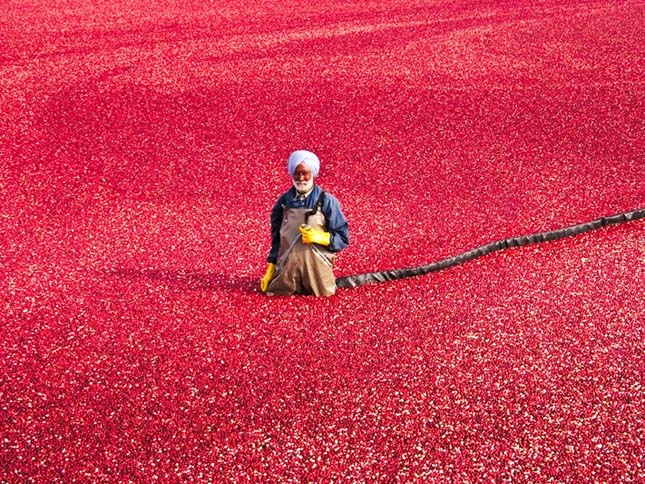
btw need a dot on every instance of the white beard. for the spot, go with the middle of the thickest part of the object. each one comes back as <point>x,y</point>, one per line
<point>303,187</point>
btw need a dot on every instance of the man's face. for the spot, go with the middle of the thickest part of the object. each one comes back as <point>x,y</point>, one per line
<point>302,179</point>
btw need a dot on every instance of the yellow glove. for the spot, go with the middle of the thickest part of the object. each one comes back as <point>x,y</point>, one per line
<point>311,235</point>
<point>264,282</point>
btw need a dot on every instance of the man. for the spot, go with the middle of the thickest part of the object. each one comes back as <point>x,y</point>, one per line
<point>308,228</point>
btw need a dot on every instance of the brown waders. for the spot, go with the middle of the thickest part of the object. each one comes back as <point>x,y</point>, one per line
<point>302,268</point>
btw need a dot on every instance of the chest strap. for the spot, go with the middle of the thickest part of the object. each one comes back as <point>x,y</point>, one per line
<point>317,207</point>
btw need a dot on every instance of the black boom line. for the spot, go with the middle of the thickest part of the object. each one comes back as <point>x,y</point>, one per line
<point>391,275</point>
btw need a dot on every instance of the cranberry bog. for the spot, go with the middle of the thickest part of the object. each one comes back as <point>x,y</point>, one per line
<point>141,149</point>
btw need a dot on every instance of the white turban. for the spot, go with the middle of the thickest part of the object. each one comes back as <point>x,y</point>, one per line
<point>310,160</point>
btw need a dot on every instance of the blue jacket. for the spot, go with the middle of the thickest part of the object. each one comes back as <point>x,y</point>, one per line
<point>335,220</point>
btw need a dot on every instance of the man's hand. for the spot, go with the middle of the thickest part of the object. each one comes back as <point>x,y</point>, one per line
<point>268,277</point>
<point>311,235</point>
